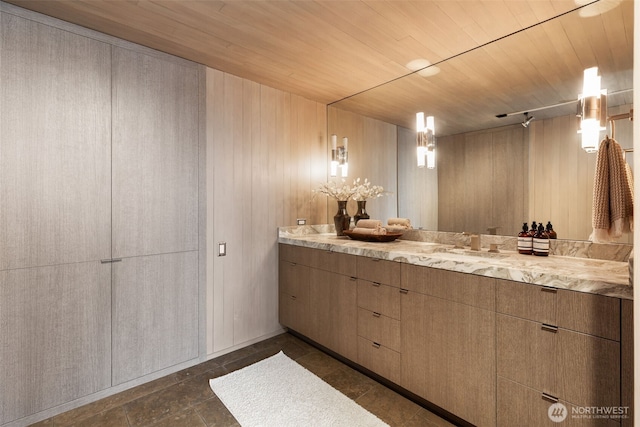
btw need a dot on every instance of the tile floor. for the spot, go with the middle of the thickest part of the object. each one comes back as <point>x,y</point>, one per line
<point>184,399</point>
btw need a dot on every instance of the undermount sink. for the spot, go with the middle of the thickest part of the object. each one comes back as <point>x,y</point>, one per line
<point>469,252</point>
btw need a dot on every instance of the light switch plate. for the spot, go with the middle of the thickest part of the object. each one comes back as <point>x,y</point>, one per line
<point>222,249</point>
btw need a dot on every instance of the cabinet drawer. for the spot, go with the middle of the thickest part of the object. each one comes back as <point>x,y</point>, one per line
<point>380,298</point>
<point>579,368</point>
<point>522,406</point>
<point>289,253</point>
<point>334,262</point>
<point>379,271</point>
<point>527,301</point>
<point>292,277</point>
<point>464,288</point>
<point>379,359</point>
<point>592,314</point>
<point>378,328</point>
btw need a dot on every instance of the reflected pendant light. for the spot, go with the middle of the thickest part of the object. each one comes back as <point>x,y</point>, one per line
<point>425,141</point>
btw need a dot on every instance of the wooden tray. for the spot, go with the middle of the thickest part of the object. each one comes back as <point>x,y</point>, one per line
<point>389,237</point>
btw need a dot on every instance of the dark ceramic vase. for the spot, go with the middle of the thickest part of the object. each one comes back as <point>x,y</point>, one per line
<point>342,218</point>
<point>362,212</point>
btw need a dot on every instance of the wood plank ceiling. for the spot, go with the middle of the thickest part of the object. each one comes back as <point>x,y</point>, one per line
<point>329,50</point>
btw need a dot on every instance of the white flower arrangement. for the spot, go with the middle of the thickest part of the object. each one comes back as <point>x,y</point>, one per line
<point>341,192</point>
<point>366,191</point>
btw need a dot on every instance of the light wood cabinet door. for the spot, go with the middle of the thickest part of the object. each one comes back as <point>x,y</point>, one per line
<point>55,142</point>
<point>55,340</point>
<point>155,155</point>
<point>448,355</point>
<point>526,353</point>
<point>294,296</point>
<point>155,313</point>
<point>333,312</point>
<point>588,369</point>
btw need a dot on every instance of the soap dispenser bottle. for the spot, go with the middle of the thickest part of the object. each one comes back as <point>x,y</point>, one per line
<point>552,234</point>
<point>525,241</point>
<point>541,242</point>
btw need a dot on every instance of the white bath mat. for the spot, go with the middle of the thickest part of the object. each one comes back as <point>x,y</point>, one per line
<point>278,392</point>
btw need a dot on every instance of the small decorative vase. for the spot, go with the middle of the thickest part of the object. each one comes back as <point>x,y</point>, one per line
<point>362,211</point>
<point>342,218</point>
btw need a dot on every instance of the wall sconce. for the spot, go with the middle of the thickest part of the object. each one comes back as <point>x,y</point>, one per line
<point>339,156</point>
<point>592,110</point>
<point>426,141</point>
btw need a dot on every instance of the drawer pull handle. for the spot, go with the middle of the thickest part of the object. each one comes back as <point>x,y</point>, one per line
<point>376,314</point>
<point>376,284</point>
<point>292,264</point>
<point>109,261</point>
<point>550,398</point>
<point>548,289</point>
<point>375,259</point>
<point>549,328</point>
<point>353,279</point>
<point>404,291</point>
<point>375,345</point>
<point>293,297</point>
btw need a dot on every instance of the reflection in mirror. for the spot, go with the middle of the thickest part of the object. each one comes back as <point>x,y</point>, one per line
<point>492,171</point>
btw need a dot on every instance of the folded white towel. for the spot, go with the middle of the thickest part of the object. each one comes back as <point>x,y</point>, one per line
<point>380,231</point>
<point>399,224</point>
<point>369,223</point>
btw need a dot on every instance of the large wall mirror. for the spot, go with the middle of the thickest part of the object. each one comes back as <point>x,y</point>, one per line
<point>492,171</point>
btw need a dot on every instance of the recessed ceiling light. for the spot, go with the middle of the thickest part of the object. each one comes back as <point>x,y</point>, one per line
<point>597,8</point>
<point>423,67</point>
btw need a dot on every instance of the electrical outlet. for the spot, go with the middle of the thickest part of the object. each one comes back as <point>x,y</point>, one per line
<point>222,249</point>
<point>302,221</point>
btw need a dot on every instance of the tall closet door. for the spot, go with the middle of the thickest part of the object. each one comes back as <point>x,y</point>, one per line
<point>55,341</point>
<point>55,295</point>
<point>155,214</point>
<point>155,155</point>
<point>55,141</point>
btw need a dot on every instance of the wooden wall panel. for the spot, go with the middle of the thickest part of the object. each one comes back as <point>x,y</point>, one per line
<point>482,181</point>
<point>479,187</point>
<point>267,152</point>
<point>510,176</point>
<point>417,187</point>
<point>373,155</point>
<point>450,161</point>
<point>561,178</point>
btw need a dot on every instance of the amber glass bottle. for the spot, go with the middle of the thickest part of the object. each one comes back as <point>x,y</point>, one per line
<point>525,241</point>
<point>541,242</point>
<point>550,232</point>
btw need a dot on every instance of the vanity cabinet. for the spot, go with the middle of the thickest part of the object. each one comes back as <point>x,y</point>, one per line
<point>448,341</point>
<point>556,345</point>
<point>318,297</point>
<point>492,352</point>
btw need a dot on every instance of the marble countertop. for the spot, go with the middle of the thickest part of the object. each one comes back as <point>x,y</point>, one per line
<point>589,275</point>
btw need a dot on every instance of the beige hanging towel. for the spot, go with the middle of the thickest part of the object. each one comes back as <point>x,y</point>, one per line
<point>612,194</point>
